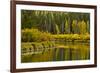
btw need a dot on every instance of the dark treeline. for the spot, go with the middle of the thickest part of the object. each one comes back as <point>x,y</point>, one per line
<point>56,22</point>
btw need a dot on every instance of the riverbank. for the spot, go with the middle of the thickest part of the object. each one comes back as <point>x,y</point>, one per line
<point>42,53</point>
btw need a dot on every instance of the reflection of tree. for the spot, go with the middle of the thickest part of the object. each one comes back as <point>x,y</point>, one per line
<point>76,52</point>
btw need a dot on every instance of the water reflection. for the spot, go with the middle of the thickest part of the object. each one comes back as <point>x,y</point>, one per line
<point>63,52</point>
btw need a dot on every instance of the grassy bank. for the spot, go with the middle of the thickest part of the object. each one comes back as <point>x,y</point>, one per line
<point>29,47</point>
<point>72,37</point>
<point>34,35</point>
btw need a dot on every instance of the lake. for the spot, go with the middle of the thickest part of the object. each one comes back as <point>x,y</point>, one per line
<point>65,51</point>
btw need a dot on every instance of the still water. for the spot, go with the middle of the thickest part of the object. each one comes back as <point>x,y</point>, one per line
<point>64,52</point>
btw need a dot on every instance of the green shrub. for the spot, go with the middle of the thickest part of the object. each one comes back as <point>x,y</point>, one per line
<point>72,36</point>
<point>34,35</point>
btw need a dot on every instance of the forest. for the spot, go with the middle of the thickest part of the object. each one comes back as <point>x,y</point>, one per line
<point>40,29</point>
<point>49,22</point>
